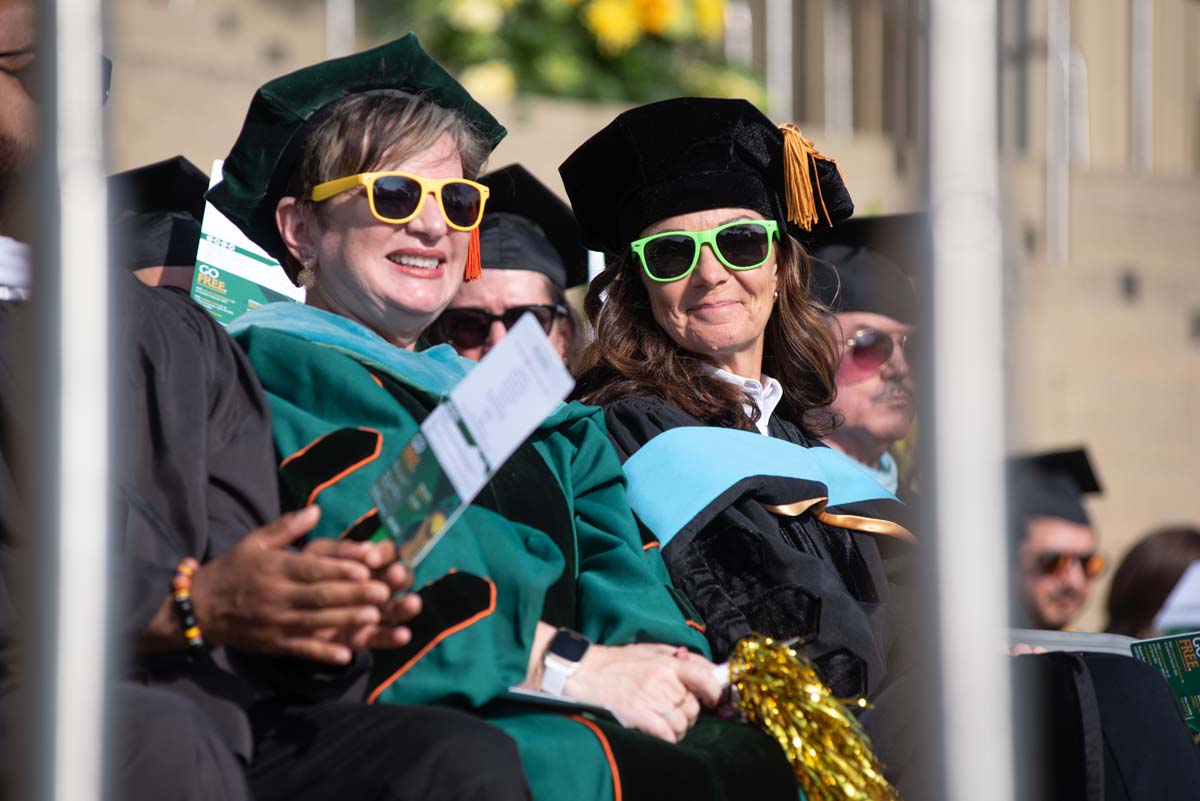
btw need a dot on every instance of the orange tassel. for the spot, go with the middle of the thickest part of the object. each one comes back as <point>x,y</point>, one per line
<point>474,259</point>
<point>805,203</point>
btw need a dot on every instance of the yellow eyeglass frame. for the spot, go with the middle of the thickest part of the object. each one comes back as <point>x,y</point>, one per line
<point>322,192</point>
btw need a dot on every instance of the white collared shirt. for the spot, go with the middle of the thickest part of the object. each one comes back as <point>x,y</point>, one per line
<point>766,393</point>
<point>15,271</point>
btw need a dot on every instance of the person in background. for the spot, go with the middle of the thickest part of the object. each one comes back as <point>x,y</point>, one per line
<point>530,253</point>
<point>157,225</point>
<point>1146,576</point>
<point>1057,558</point>
<point>874,318</point>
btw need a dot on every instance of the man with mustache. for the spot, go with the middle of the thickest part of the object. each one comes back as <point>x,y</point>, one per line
<point>1057,561</point>
<point>874,314</point>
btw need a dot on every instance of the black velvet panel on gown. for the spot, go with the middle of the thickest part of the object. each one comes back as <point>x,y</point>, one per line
<point>748,570</point>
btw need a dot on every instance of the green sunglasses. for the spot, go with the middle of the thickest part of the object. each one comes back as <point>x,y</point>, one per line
<point>672,255</point>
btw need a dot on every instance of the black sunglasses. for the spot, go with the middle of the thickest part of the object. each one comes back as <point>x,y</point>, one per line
<point>468,327</point>
<point>1054,563</point>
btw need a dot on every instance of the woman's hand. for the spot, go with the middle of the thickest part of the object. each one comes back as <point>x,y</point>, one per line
<point>317,604</point>
<point>649,686</point>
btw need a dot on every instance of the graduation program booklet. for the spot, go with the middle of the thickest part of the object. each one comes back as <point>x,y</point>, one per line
<point>1177,657</point>
<point>468,437</point>
<point>233,275</point>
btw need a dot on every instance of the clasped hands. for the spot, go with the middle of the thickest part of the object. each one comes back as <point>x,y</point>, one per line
<point>322,602</point>
<point>655,688</point>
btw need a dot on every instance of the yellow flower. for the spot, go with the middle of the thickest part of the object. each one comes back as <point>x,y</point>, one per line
<point>476,16</point>
<point>489,81</point>
<point>710,18</point>
<point>657,16</point>
<point>615,25</point>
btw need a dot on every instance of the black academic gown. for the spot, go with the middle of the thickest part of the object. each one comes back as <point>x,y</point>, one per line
<point>753,571</point>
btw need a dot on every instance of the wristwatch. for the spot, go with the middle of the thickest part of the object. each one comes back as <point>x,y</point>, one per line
<point>562,659</point>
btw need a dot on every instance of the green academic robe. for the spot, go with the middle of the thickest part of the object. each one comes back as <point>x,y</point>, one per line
<point>550,538</point>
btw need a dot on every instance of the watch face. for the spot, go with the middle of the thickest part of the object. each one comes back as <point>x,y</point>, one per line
<point>569,645</point>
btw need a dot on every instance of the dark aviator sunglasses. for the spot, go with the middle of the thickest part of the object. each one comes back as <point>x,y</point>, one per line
<point>468,327</point>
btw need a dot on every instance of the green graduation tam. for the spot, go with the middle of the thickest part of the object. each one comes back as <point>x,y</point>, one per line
<point>690,154</point>
<point>285,111</point>
<point>1051,484</point>
<point>157,211</point>
<point>528,227</point>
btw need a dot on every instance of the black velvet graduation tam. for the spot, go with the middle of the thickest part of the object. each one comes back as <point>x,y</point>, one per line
<point>284,111</point>
<point>1051,484</point>
<point>691,154</point>
<point>849,278</point>
<point>157,211</point>
<point>528,227</point>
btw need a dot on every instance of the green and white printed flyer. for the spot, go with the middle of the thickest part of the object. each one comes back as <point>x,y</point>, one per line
<point>234,275</point>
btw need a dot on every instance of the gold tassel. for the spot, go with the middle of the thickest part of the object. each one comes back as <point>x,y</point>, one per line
<point>803,198</point>
<point>781,693</point>
<point>474,267</point>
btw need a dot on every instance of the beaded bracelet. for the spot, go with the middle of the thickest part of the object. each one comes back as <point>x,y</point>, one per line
<point>181,592</point>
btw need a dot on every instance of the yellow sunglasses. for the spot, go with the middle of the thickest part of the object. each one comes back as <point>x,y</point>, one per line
<point>397,197</point>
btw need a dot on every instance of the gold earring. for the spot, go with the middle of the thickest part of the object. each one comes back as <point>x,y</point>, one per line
<point>307,276</point>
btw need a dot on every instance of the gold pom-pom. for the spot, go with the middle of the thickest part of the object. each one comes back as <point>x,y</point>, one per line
<point>781,693</point>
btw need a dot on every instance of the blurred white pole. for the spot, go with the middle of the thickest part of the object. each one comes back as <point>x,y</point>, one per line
<point>968,396</point>
<point>839,68</point>
<point>73,273</point>
<point>780,67</point>
<point>1058,130</point>
<point>339,28</point>
<point>1141,84</point>
<point>739,33</point>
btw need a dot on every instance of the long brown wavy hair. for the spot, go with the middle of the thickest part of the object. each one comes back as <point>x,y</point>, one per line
<point>631,355</point>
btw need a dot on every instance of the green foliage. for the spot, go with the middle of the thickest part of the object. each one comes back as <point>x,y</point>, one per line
<point>613,50</point>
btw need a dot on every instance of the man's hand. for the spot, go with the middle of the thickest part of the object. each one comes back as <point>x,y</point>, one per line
<point>402,607</point>
<point>317,604</point>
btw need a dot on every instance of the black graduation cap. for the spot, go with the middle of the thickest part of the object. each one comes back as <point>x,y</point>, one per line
<point>526,226</point>
<point>284,111</point>
<point>902,238</point>
<point>157,211</point>
<point>851,278</point>
<point>1051,484</point>
<point>689,154</point>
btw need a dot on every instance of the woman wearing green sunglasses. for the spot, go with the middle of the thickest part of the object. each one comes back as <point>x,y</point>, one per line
<point>706,340</point>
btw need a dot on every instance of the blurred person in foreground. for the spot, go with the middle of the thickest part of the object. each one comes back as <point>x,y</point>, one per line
<point>1146,576</point>
<point>874,318</point>
<point>18,135</point>
<point>531,254</point>
<point>357,175</point>
<point>713,364</point>
<point>1057,557</point>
